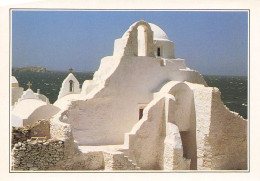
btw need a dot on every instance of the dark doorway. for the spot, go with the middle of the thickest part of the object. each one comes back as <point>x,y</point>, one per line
<point>141,113</point>
<point>188,139</point>
<point>158,51</point>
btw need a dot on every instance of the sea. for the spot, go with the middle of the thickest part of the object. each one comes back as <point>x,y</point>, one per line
<point>233,88</point>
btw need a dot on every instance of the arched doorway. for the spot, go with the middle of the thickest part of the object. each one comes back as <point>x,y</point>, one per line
<point>142,40</point>
<point>182,114</point>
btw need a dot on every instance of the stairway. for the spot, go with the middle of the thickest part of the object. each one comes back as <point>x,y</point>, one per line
<point>118,161</point>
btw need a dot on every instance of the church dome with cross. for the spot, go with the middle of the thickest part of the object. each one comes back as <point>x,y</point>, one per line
<point>31,107</point>
<point>144,109</point>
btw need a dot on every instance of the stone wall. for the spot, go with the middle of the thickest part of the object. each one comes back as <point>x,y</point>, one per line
<point>58,153</point>
<point>39,129</point>
<point>118,161</point>
<point>221,134</point>
<point>53,154</point>
<point>40,155</point>
<point>20,134</point>
<point>37,154</point>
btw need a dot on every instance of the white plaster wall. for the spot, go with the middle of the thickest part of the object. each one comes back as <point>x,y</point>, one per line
<point>24,108</point>
<point>182,113</point>
<point>167,48</point>
<point>180,110</point>
<point>16,94</point>
<point>173,150</point>
<point>88,86</point>
<point>43,112</point>
<point>119,46</point>
<point>221,135</point>
<point>128,44</point>
<point>145,141</point>
<point>113,110</point>
<point>177,63</point>
<point>28,94</point>
<point>65,87</point>
<point>43,98</point>
<point>16,121</point>
<point>225,145</point>
<point>108,106</point>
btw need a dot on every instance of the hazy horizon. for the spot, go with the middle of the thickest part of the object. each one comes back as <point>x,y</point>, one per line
<point>211,42</point>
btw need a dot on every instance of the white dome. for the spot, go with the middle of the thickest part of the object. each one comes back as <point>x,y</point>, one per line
<point>158,33</point>
<point>28,94</point>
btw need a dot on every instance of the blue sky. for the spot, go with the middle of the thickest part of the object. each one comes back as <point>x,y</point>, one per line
<point>211,42</point>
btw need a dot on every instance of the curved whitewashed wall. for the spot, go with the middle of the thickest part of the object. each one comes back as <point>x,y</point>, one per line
<point>109,104</point>
<point>65,87</point>
<point>43,112</point>
<point>16,121</point>
<point>128,44</point>
<point>113,110</point>
<point>216,141</point>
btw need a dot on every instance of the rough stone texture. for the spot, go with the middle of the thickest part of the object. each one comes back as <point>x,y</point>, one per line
<point>118,161</point>
<point>39,129</point>
<point>37,154</point>
<point>221,134</point>
<point>155,142</point>
<point>185,125</point>
<point>20,134</point>
<point>51,155</point>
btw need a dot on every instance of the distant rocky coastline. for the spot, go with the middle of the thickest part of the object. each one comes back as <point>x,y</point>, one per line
<point>30,69</point>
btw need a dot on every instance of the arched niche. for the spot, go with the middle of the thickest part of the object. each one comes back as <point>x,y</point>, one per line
<point>71,86</point>
<point>182,114</point>
<point>139,40</point>
<point>142,40</point>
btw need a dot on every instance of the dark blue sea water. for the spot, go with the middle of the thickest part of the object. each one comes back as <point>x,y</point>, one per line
<point>233,89</point>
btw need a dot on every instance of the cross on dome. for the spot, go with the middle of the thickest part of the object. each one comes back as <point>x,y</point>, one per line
<point>71,70</point>
<point>29,84</point>
<point>142,19</point>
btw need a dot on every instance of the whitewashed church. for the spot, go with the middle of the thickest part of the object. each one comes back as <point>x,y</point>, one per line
<point>143,110</point>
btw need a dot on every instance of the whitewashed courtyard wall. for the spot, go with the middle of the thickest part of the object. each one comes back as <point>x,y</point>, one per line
<point>113,110</point>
